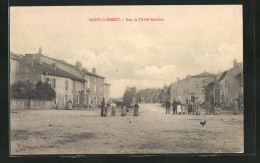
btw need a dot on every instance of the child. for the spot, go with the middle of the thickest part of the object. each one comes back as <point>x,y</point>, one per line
<point>183,109</point>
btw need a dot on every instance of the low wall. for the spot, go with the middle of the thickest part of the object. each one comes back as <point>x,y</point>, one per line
<point>31,104</point>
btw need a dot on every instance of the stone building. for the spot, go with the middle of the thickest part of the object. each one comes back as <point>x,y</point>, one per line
<point>14,67</point>
<point>91,91</point>
<point>226,86</point>
<point>148,95</point>
<point>87,91</point>
<point>61,81</point>
<point>189,88</point>
<point>106,91</point>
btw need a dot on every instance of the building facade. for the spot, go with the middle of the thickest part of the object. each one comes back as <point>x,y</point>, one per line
<point>61,81</point>
<point>148,95</point>
<point>83,88</point>
<point>14,67</point>
<point>189,88</point>
<point>226,86</point>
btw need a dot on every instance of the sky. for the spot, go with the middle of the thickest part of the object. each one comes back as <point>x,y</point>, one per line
<point>144,54</point>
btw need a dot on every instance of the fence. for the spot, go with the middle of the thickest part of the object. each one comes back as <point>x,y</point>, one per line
<point>31,104</point>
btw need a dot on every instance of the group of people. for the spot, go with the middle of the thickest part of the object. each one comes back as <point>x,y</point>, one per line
<point>178,108</point>
<point>105,106</point>
<point>194,107</point>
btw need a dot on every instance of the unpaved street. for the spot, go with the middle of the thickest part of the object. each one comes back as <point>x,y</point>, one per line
<point>85,132</point>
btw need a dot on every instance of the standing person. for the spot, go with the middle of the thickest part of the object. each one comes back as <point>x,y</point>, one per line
<point>168,105</point>
<point>216,108</point>
<point>235,106</point>
<point>102,107</point>
<point>189,107</point>
<point>183,109</point>
<point>113,112</point>
<point>106,108</point>
<point>207,108</point>
<point>174,106</point>
<point>197,105</point>
<point>136,113</point>
<point>123,111</point>
<point>179,107</point>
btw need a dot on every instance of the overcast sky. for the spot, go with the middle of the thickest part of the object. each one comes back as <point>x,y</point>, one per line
<point>190,40</point>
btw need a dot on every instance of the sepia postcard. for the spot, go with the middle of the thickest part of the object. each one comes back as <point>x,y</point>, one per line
<point>153,79</point>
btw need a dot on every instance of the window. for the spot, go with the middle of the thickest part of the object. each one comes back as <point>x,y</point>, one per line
<point>77,86</point>
<point>67,85</point>
<point>82,85</point>
<point>95,88</point>
<point>53,83</point>
<point>180,98</point>
<point>88,84</point>
<point>180,91</point>
<point>65,99</point>
<point>192,90</point>
<point>95,80</point>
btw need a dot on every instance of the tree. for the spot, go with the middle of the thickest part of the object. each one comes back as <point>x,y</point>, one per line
<point>24,90</point>
<point>44,91</point>
<point>129,94</point>
<point>21,90</point>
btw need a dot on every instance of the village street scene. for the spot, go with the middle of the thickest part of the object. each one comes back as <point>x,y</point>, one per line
<point>96,91</point>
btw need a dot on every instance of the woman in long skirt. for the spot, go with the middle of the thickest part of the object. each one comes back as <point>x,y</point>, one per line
<point>178,109</point>
<point>183,109</point>
<point>136,113</point>
<point>113,112</point>
<point>235,107</point>
<point>123,111</point>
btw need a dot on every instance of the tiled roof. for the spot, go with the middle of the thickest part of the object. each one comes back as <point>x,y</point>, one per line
<point>65,63</point>
<point>204,74</point>
<point>233,71</point>
<point>47,69</point>
<point>15,56</point>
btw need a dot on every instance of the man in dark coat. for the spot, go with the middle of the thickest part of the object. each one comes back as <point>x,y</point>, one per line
<point>102,107</point>
<point>190,107</point>
<point>168,105</point>
<point>174,106</point>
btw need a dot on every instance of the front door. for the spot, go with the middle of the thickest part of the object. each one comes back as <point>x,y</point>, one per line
<point>81,98</point>
<point>66,100</point>
<point>192,98</point>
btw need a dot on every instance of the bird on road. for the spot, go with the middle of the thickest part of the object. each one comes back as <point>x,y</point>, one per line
<point>203,123</point>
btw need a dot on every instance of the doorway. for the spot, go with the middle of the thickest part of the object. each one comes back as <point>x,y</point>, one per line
<point>192,98</point>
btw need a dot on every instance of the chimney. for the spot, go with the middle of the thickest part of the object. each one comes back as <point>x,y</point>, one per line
<point>178,79</point>
<point>188,76</point>
<point>85,70</point>
<point>29,58</point>
<point>78,65</point>
<point>54,65</point>
<point>38,56</point>
<point>93,70</point>
<point>234,63</point>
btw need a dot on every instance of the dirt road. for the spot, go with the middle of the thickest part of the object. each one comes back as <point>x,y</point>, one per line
<point>85,132</point>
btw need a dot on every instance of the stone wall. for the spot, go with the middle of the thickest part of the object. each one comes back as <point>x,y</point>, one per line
<point>31,104</point>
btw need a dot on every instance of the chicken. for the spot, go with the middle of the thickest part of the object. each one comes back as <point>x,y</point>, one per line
<point>203,123</point>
